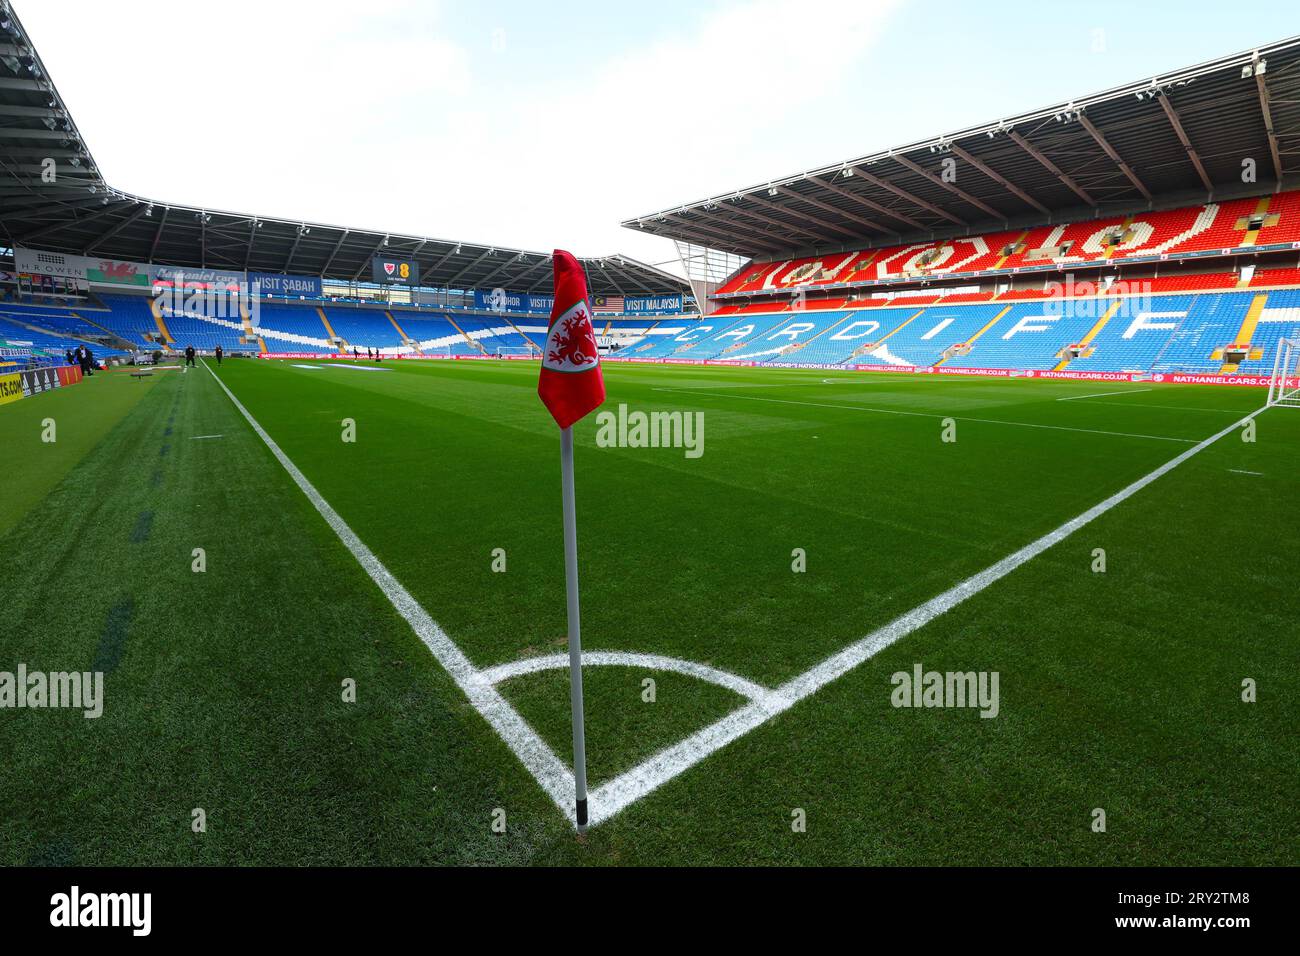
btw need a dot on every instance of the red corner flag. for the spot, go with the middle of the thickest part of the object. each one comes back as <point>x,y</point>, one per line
<point>571,384</point>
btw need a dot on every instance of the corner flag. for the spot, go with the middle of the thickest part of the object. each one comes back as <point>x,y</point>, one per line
<point>570,386</point>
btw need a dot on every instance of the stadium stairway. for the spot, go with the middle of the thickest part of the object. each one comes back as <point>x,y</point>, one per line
<point>474,345</point>
<point>409,342</point>
<point>736,342</point>
<point>875,350</point>
<point>523,336</point>
<point>1210,322</point>
<point>1245,333</point>
<point>969,344</point>
<point>925,335</point>
<point>1086,341</point>
<point>337,340</point>
<point>161,323</point>
<point>1278,318</point>
<point>802,335</point>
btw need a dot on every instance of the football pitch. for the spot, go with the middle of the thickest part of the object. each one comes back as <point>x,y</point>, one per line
<point>328,602</point>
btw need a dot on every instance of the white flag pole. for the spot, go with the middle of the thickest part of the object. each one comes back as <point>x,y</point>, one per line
<point>575,627</point>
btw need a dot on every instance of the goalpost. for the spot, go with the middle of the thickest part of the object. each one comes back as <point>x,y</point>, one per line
<point>1284,387</point>
<point>527,351</point>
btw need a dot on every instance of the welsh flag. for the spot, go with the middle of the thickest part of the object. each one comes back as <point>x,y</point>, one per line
<point>571,384</point>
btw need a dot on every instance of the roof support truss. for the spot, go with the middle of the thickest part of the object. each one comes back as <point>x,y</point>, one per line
<point>1001,180</point>
<point>1266,110</point>
<point>157,236</point>
<point>902,193</point>
<point>951,187</point>
<point>116,229</point>
<point>1183,138</point>
<point>842,230</point>
<point>852,217</point>
<point>1051,167</point>
<point>1115,157</point>
<point>869,203</point>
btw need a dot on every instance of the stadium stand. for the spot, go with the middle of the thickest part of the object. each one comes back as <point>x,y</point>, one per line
<point>1210,228</point>
<point>1201,322</point>
<point>50,330</point>
<point>1186,332</point>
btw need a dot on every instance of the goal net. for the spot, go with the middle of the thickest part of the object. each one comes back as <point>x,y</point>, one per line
<point>1284,388</point>
<point>525,351</point>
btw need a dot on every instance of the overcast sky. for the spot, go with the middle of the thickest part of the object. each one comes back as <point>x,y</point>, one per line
<point>540,125</point>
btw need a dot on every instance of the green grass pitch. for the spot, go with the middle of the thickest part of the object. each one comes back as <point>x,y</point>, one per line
<point>1119,690</point>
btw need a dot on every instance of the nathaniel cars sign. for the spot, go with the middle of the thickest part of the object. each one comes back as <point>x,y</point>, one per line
<point>400,271</point>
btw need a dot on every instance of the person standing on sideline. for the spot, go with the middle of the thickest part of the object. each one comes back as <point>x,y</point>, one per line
<point>220,352</point>
<point>189,355</point>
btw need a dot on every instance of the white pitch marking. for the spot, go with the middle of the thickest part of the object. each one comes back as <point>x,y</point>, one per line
<point>1238,471</point>
<point>983,421</point>
<point>359,368</point>
<point>316,367</point>
<point>535,754</point>
<point>695,388</point>
<point>615,795</point>
<point>1173,408</point>
<point>530,665</point>
<point>201,437</point>
<point>878,380</point>
<point>1079,398</point>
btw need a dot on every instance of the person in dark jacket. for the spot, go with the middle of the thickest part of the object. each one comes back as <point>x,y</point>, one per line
<point>189,355</point>
<point>220,352</point>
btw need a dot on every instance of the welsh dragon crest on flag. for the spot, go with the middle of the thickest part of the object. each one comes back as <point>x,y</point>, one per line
<point>571,383</point>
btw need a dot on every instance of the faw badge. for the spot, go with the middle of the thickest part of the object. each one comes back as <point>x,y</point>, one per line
<point>571,341</point>
<point>570,384</point>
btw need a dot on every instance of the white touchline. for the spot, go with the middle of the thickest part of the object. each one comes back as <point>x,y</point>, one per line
<point>1174,408</point>
<point>616,795</point>
<point>201,437</point>
<point>532,751</point>
<point>359,368</point>
<point>895,411</point>
<point>1079,398</point>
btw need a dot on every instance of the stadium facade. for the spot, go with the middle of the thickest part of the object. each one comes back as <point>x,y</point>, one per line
<point>1148,230</point>
<point>1152,228</point>
<point>84,263</point>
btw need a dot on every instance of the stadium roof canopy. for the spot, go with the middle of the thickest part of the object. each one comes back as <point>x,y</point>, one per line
<point>80,213</point>
<point>1175,138</point>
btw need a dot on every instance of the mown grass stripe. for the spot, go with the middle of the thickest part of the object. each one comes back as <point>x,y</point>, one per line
<point>112,640</point>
